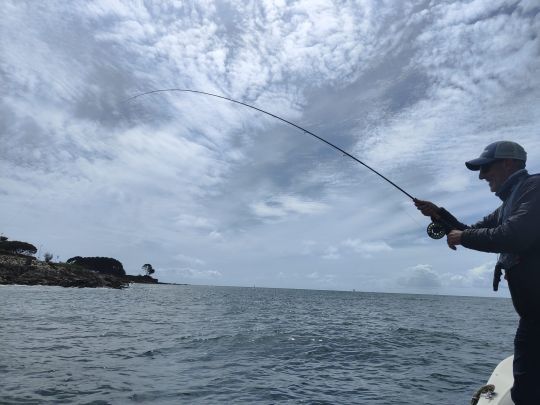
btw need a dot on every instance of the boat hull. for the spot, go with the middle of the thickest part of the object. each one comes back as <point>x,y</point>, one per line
<point>503,379</point>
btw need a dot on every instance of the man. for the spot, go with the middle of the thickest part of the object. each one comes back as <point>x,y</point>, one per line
<point>513,231</point>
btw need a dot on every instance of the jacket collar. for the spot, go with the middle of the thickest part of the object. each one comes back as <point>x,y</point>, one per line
<point>510,183</point>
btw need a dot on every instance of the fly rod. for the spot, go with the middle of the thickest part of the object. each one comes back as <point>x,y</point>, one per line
<point>281,119</point>
<point>436,229</point>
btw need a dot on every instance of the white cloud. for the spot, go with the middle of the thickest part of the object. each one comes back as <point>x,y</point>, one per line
<point>479,276</point>
<point>424,276</point>
<point>367,248</point>
<point>453,183</point>
<point>193,221</point>
<point>322,280</point>
<point>285,205</point>
<point>412,89</point>
<point>480,61</point>
<point>215,236</point>
<point>189,259</point>
<point>331,253</point>
<point>421,276</point>
<point>307,247</point>
<point>191,273</point>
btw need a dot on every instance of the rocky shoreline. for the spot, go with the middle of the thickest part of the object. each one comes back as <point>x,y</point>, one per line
<point>29,271</point>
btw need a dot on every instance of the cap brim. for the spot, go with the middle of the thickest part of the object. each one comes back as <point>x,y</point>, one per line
<point>476,164</point>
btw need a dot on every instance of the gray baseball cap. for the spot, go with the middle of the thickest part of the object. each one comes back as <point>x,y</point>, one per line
<point>495,151</point>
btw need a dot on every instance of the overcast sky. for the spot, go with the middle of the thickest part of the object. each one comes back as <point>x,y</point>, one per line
<point>210,192</point>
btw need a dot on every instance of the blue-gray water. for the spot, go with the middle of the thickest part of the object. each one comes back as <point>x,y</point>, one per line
<point>188,344</point>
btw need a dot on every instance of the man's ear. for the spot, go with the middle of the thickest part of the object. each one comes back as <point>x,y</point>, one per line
<point>509,165</point>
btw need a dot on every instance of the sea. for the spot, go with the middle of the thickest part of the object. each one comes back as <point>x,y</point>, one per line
<point>180,344</point>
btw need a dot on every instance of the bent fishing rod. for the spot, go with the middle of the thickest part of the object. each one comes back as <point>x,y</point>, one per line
<point>436,230</point>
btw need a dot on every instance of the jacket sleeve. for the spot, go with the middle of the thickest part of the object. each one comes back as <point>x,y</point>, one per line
<point>516,234</point>
<point>489,221</point>
<point>450,221</point>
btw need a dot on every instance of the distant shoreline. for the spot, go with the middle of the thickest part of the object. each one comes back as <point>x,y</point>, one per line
<point>27,270</point>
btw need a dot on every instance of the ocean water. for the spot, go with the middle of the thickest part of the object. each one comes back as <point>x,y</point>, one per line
<point>166,344</point>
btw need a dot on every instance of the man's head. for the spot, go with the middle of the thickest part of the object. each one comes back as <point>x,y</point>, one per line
<point>497,162</point>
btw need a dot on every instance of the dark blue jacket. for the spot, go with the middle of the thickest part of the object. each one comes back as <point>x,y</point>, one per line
<point>514,234</point>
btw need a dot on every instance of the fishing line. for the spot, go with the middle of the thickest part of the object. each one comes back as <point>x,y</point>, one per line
<point>436,230</point>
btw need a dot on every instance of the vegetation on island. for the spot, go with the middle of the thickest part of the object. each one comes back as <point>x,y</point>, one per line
<point>104,265</point>
<point>16,247</point>
<point>148,269</point>
<point>18,265</point>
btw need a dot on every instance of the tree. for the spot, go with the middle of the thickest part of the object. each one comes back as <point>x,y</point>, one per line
<point>148,269</point>
<point>105,265</point>
<point>17,247</point>
<point>48,257</point>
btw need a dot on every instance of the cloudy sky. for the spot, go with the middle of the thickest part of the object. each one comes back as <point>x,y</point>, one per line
<point>211,192</point>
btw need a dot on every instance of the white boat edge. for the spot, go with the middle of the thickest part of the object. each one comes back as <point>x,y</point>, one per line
<point>503,379</point>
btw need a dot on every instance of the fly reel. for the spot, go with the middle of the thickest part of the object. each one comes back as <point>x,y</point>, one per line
<point>436,230</point>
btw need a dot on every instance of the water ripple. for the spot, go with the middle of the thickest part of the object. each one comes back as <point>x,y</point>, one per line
<point>184,344</point>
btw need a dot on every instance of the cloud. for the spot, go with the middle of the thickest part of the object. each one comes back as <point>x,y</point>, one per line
<point>332,253</point>
<point>215,236</point>
<point>421,276</point>
<point>189,259</point>
<point>367,248</point>
<point>326,280</point>
<point>479,276</point>
<point>193,221</point>
<point>307,247</point>
<point>478,57</point>
<point>424,276</point>
<point>285,205</point>
<point>413,89</point>
<point>191,273</point>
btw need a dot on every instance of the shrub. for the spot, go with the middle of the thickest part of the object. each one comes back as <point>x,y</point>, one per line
<point>48,257</point>
<point>16,247</point>
<point>105,265</point>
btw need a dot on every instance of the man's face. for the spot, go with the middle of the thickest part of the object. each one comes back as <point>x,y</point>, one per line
<point>495,174</point>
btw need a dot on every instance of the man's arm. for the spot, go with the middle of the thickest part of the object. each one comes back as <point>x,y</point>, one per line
<point>489,221</point>
<point>439,213</point>
<point>454,236</point>
<point>517,233</point>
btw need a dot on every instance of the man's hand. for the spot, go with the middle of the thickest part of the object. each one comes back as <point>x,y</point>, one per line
<point>453,239</point>
<point>427,208</point>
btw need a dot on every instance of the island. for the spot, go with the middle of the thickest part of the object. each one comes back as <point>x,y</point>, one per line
<point>19,266</point>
